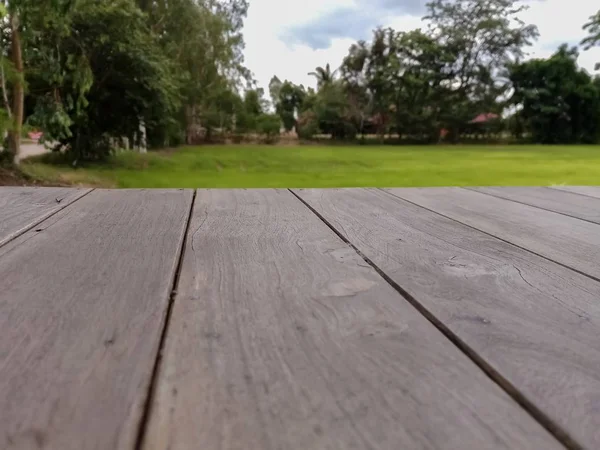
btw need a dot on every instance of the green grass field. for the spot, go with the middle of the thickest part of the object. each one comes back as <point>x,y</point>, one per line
<point>334,166</point>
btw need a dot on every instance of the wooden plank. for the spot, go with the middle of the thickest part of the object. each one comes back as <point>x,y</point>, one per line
<point>82,304</point>
<point>532,321</point>
<point>591,191</point>
<point>570,204</point>
<point>21,208</point>
<point>282,337</point>
<point>572,242</point>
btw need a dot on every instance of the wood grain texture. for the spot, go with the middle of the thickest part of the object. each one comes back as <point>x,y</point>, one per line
<point>571,204</point>
<point>572,242</point>
<point>591,191</point>
<point>282,337</point>
<point>23,207</point>
<point>536,323</point>
<point>82,306</point>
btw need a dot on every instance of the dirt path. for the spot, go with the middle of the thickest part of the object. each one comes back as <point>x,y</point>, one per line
<point>31,149</point>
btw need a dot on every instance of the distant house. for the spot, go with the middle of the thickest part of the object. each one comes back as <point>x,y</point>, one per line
<point>480,126</point>
<point>485,117</point>
<point>35,135</point>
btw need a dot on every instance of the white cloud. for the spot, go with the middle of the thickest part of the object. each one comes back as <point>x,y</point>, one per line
<point>270,52</point>
<point>559,22</point>
<point>267,54</point>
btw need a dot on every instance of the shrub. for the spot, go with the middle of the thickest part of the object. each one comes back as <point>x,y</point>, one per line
<point>308,125</point>
<point>237,138</point>
<point>269,126</point>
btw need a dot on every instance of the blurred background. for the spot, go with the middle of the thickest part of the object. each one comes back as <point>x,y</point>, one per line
<point>266,93</point>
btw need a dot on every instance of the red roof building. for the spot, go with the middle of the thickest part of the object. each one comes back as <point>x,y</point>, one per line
<point>485,117</point>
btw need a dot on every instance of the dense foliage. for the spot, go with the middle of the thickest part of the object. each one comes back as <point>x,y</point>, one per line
<point>98,75</point>
<point>461,77</point>
<point>560,102</point>
<point>104,82</point>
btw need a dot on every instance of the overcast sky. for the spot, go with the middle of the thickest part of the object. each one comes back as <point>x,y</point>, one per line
<point>290,38</point>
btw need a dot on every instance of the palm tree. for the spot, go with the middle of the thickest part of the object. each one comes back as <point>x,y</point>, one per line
<point>324,76</point>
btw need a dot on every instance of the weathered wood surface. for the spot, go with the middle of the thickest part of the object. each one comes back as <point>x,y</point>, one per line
<point>569,241</point>
<point>534,322</point>
<point>282,337</point>
<point>23,207</point>
<point>568,203</point>
<point>591,191</point>
<point>82,304</point>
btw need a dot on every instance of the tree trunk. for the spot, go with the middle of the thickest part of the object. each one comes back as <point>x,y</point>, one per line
<point>14,135</point>
<point>4,92</point>
<point>190,114</point>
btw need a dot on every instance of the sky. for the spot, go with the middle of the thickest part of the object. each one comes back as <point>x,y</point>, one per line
<point>290,38</point>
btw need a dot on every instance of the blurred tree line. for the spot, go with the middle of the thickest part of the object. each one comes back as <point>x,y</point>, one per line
<point>462,76</point>
<point>96,75</point>
<point>92,74</point>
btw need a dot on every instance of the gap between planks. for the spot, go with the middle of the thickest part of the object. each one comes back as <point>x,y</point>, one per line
<point>579,190</point>
<point>147,411</point>
<point>531,204</point>
<point>78,359</point>
<point>494,236</point>
<point>43,218</point>
<point>536,413</point>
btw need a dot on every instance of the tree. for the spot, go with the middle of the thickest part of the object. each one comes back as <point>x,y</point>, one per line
<point>419,82</point>
<point>269,125</point>
<point>355,77</point>
<point>422,83</point>
<point>99,71</point>
<point>274,89</point>
<point>378,78</point>
<point>307,124</point>
<point>109,77</point>
<point>593,38</point>
<point>249,109</point>
<point>221,108</point>
<point>332,112</point>
<point>204,39</point>
<point>25,18</point>
<point>397,80</point>
<point>254,101</point>
<point>288,103</point>
<point>324,76</point>
<point>16,56</point>
<point>484,37</point>
<point>559,102</point>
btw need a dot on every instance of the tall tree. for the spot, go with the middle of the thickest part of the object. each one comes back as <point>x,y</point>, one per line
<point>333,113</point>
<point>204,38</point>
<point>355,77</point>
<point>288,103</point>
<point>420,81</point>
<point>485,36</point>
<point>274,89</point>
<point>558,101</point>
<point>25,18</point>
<point>380,72</point>
<point>102,80</point>
<point>324,75</point>
<point>593,38</point>
<point>254,101</point>
<point>16,57</point>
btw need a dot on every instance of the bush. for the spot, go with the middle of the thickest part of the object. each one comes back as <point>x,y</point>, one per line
<point>237,138</point>
<point>269,126</point>
<point>308,125</point>
<point>129,80</point>
<point>343,130</point>
<point>6,158</point>
<point>245,123</point>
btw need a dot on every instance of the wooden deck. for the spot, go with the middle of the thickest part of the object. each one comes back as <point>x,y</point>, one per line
<point>303,319</point>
